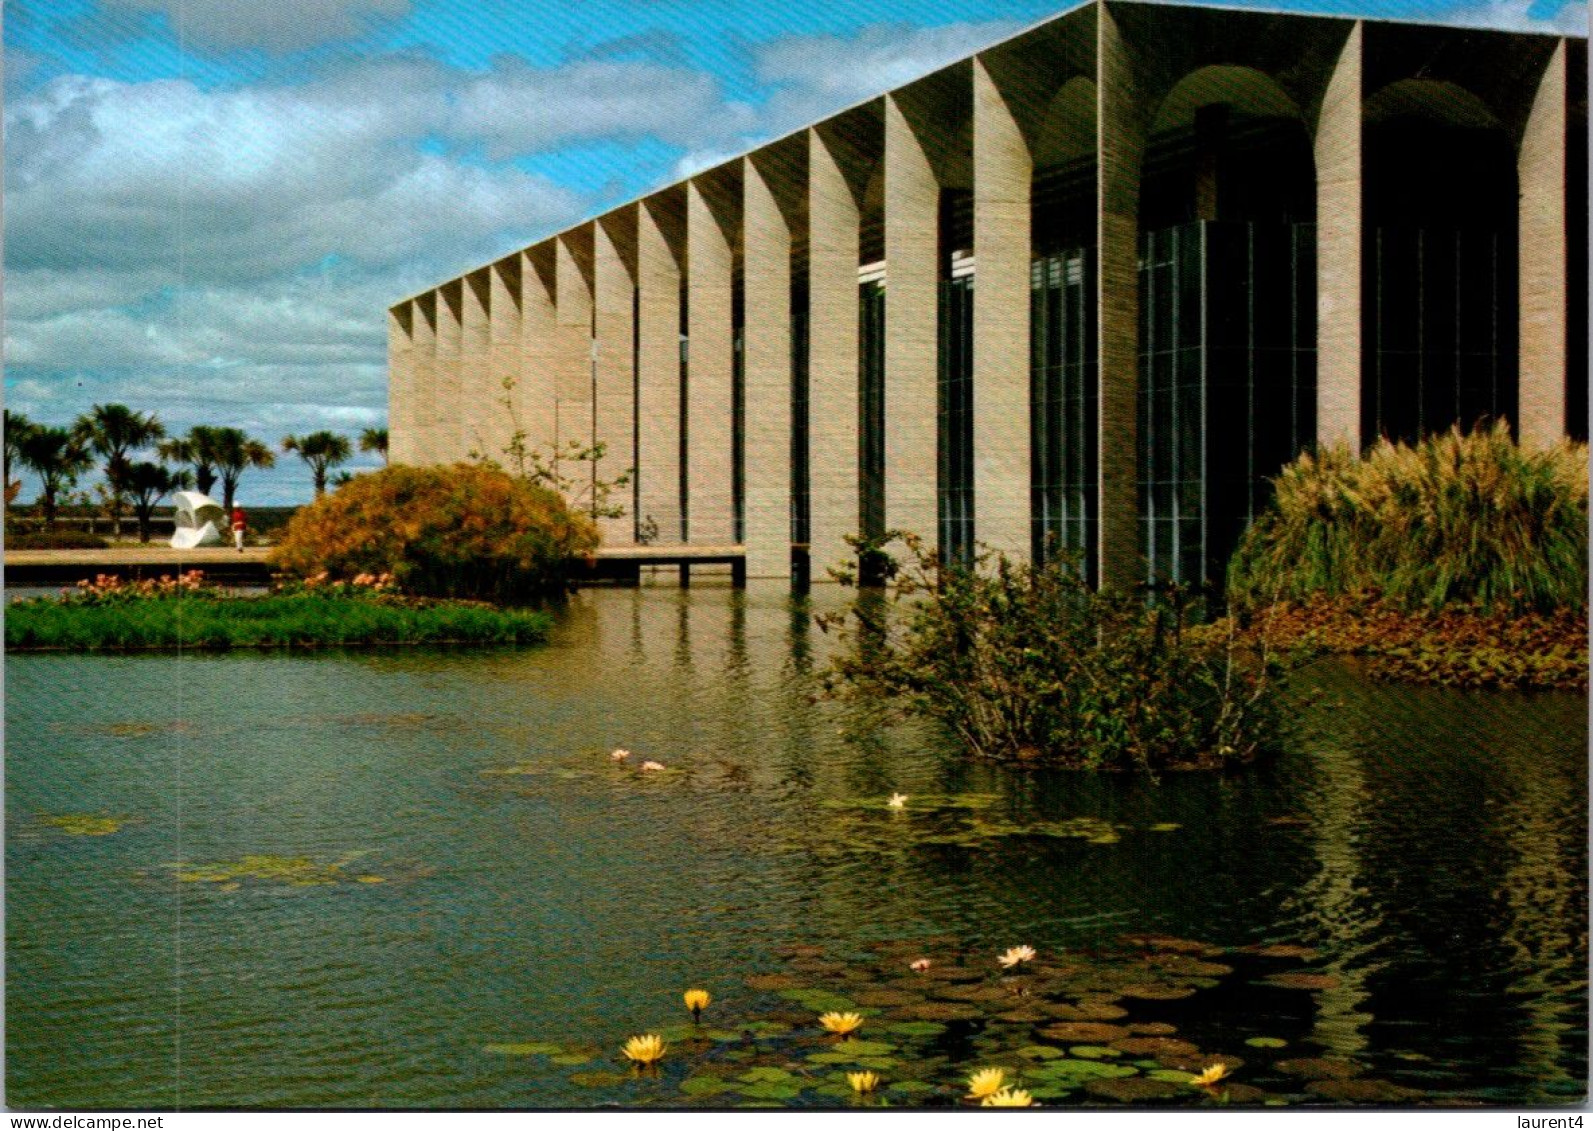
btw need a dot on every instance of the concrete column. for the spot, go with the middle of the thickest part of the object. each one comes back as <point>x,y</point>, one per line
<point>833,248</point>
<point>1545,292</point>
<point>1339,235</point>
<point>766,289</point>
<point>445,446</point>
<point>1120,144</point>
<point>535,393</point>
<point>424,365</point>
<point>573,360</point>
<point>710,514</point>
<point>401,383</point>
<point>912,325</point>
<point>1002,172</point>
<point>658,375</point>
<point>614,251</point>
<point>476,433</point>
<point>503,356</point>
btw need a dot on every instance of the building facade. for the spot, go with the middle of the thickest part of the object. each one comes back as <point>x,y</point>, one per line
<point>1087,289</point>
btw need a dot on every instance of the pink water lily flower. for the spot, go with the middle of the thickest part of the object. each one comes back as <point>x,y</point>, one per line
<point>919,965</point>
<point>651,766</point>
<point>620,754</point>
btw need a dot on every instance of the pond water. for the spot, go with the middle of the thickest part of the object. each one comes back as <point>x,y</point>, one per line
<point>416,878</point>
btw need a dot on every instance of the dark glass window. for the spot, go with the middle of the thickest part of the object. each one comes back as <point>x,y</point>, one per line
<point>871,409</point>
<point>1227,384</point>
<point>1062,399</point>
<point>801,508</point>
<point>738,413</point>
<point>954,431</point>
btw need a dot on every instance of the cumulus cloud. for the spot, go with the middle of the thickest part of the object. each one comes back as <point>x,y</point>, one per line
<point>274,25</point>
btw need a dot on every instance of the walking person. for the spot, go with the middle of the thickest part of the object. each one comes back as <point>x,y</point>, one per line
<point>237,528</point>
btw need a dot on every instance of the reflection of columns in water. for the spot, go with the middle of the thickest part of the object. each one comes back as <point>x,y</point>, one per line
<point>1333,901</point>
<point>799,636</point>
<point>1539,886</point>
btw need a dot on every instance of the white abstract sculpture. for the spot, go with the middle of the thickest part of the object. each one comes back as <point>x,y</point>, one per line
<point>197,516</point>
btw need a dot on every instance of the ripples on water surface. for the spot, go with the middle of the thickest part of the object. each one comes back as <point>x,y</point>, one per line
<point>1429,845</point>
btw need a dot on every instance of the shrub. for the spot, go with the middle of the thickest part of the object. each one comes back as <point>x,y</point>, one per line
<point>56,540</point>
<point>1466,519</point>
<point>460,531</point>
<point>1027,663</point>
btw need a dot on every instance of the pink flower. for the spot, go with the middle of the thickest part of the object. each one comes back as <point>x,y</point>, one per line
<point>620,754</point>
<point>919,965</point>
<point>651,766</point>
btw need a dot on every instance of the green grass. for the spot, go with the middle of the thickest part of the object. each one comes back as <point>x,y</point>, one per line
<point>283,621</point>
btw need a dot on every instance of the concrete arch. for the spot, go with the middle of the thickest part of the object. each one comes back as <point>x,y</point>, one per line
<point>1066,131</point>
<point>1431,100</point>
<point>1250,92</point>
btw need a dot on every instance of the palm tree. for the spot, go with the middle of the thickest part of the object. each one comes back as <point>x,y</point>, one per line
<point>58,457</point>
<point>321,450</point>
<point>17,427</point>
<point>197,448</point>
<point>149,483</point>
<point>374,440</point>
<point>235,453</point>
<point>111,431</point>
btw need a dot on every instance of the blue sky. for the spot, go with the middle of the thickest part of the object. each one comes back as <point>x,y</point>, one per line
<point>210,203</point>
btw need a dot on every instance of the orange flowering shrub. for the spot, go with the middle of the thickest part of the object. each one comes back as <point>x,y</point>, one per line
<point>462,531</point>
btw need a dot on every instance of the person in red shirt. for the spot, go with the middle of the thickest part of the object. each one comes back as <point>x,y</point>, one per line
<point>237,528</point>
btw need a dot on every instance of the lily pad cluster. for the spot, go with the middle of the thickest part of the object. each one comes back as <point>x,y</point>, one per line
<point>84,824</point>
<point>1115,1027</point>
<point>287,871</point>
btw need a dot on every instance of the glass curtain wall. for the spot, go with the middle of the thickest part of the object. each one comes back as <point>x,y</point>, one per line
<point>871,408</point>
<point>1062,400</point>
<point>954,493</point>
<point>801,508</point>
<point>1227,376</point>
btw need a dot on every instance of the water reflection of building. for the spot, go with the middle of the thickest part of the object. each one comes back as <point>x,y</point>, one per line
<point>1093,283</point>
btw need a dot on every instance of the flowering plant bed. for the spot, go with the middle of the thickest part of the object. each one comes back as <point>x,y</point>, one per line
<point>109,614</point>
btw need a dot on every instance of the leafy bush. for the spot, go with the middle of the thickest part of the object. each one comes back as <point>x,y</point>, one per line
<point>56,540</point>
<point>1027,663</point>
<point>1468,519</point>
<point>460,531</point>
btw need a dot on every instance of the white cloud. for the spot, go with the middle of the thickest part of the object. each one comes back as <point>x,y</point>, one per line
<point>275,25</point>
<point>1517,15</point>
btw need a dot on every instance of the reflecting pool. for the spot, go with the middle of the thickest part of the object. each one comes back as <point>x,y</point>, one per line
<point>417,878</point>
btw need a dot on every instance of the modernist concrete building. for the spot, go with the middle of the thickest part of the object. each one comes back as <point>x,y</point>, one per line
<point>1092,284</point>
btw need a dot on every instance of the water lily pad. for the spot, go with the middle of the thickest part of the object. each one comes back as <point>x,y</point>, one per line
<point>765,1074</point>
<point>704,1086</point>
<point>84,824</point>
<point>916,1029</point>
<point>525,1048</point>
<point>1041,1052</point>
<point>1300,980</point>
<point>370,879</point>
<point>941,1011</point>
<point>1157,991</point>
<point>1077,1070</point>
<point>598,1079</point>
<point>1188,964</point>
<point>764,1028</point>
<point>1094,1052</point>
<point>1084,1032</point>
<point>771,1091</point>
<point>1320,1067</point>
<point>971,993</point>
<point>293,871</point>
<point>1362,1091</point>
<point>1084,1011</point>
<point>911,1087</point>
<point>1286,950</point>
<point>886,997</point>
<point>572,1059</point>
<point>1170,943</point>
<point>1166,827</point>
<point>1152,1029</point>
<point>772,982</point>
<point>1159,1047</point>
<point>1023,1015</point>
<point>1135,1089</point>
<point>819,1001</point>
<point>1240,1094</point>
<point>1266,1042</point>
<point>1172,1075</point>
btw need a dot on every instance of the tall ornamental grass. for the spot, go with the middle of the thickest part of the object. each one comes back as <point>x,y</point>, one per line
<point>1459,519</point>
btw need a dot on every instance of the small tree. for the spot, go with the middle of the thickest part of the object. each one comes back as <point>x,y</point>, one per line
<point>374,440</point>
<point>149,483</point>
<point>235,454</point>
<point>198,449</point>
<point>533,465</point>
<point>322,451</point>
<point>112,431</point>
<point>57,457</point>
<point>17,427</point>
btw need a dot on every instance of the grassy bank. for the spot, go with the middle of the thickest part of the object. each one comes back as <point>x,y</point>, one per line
<point>296,620</point>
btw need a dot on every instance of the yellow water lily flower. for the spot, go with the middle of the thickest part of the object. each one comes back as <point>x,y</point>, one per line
<point>697,1001</point>
<point>1015,955</point>
<point>1212,1074</point>
<point>862,1082</point>
<point>645,1050</point>
<point>841,1023</point>
<point>986,1082</point>
<point>1008,1097</point>
<point>897,801</point>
